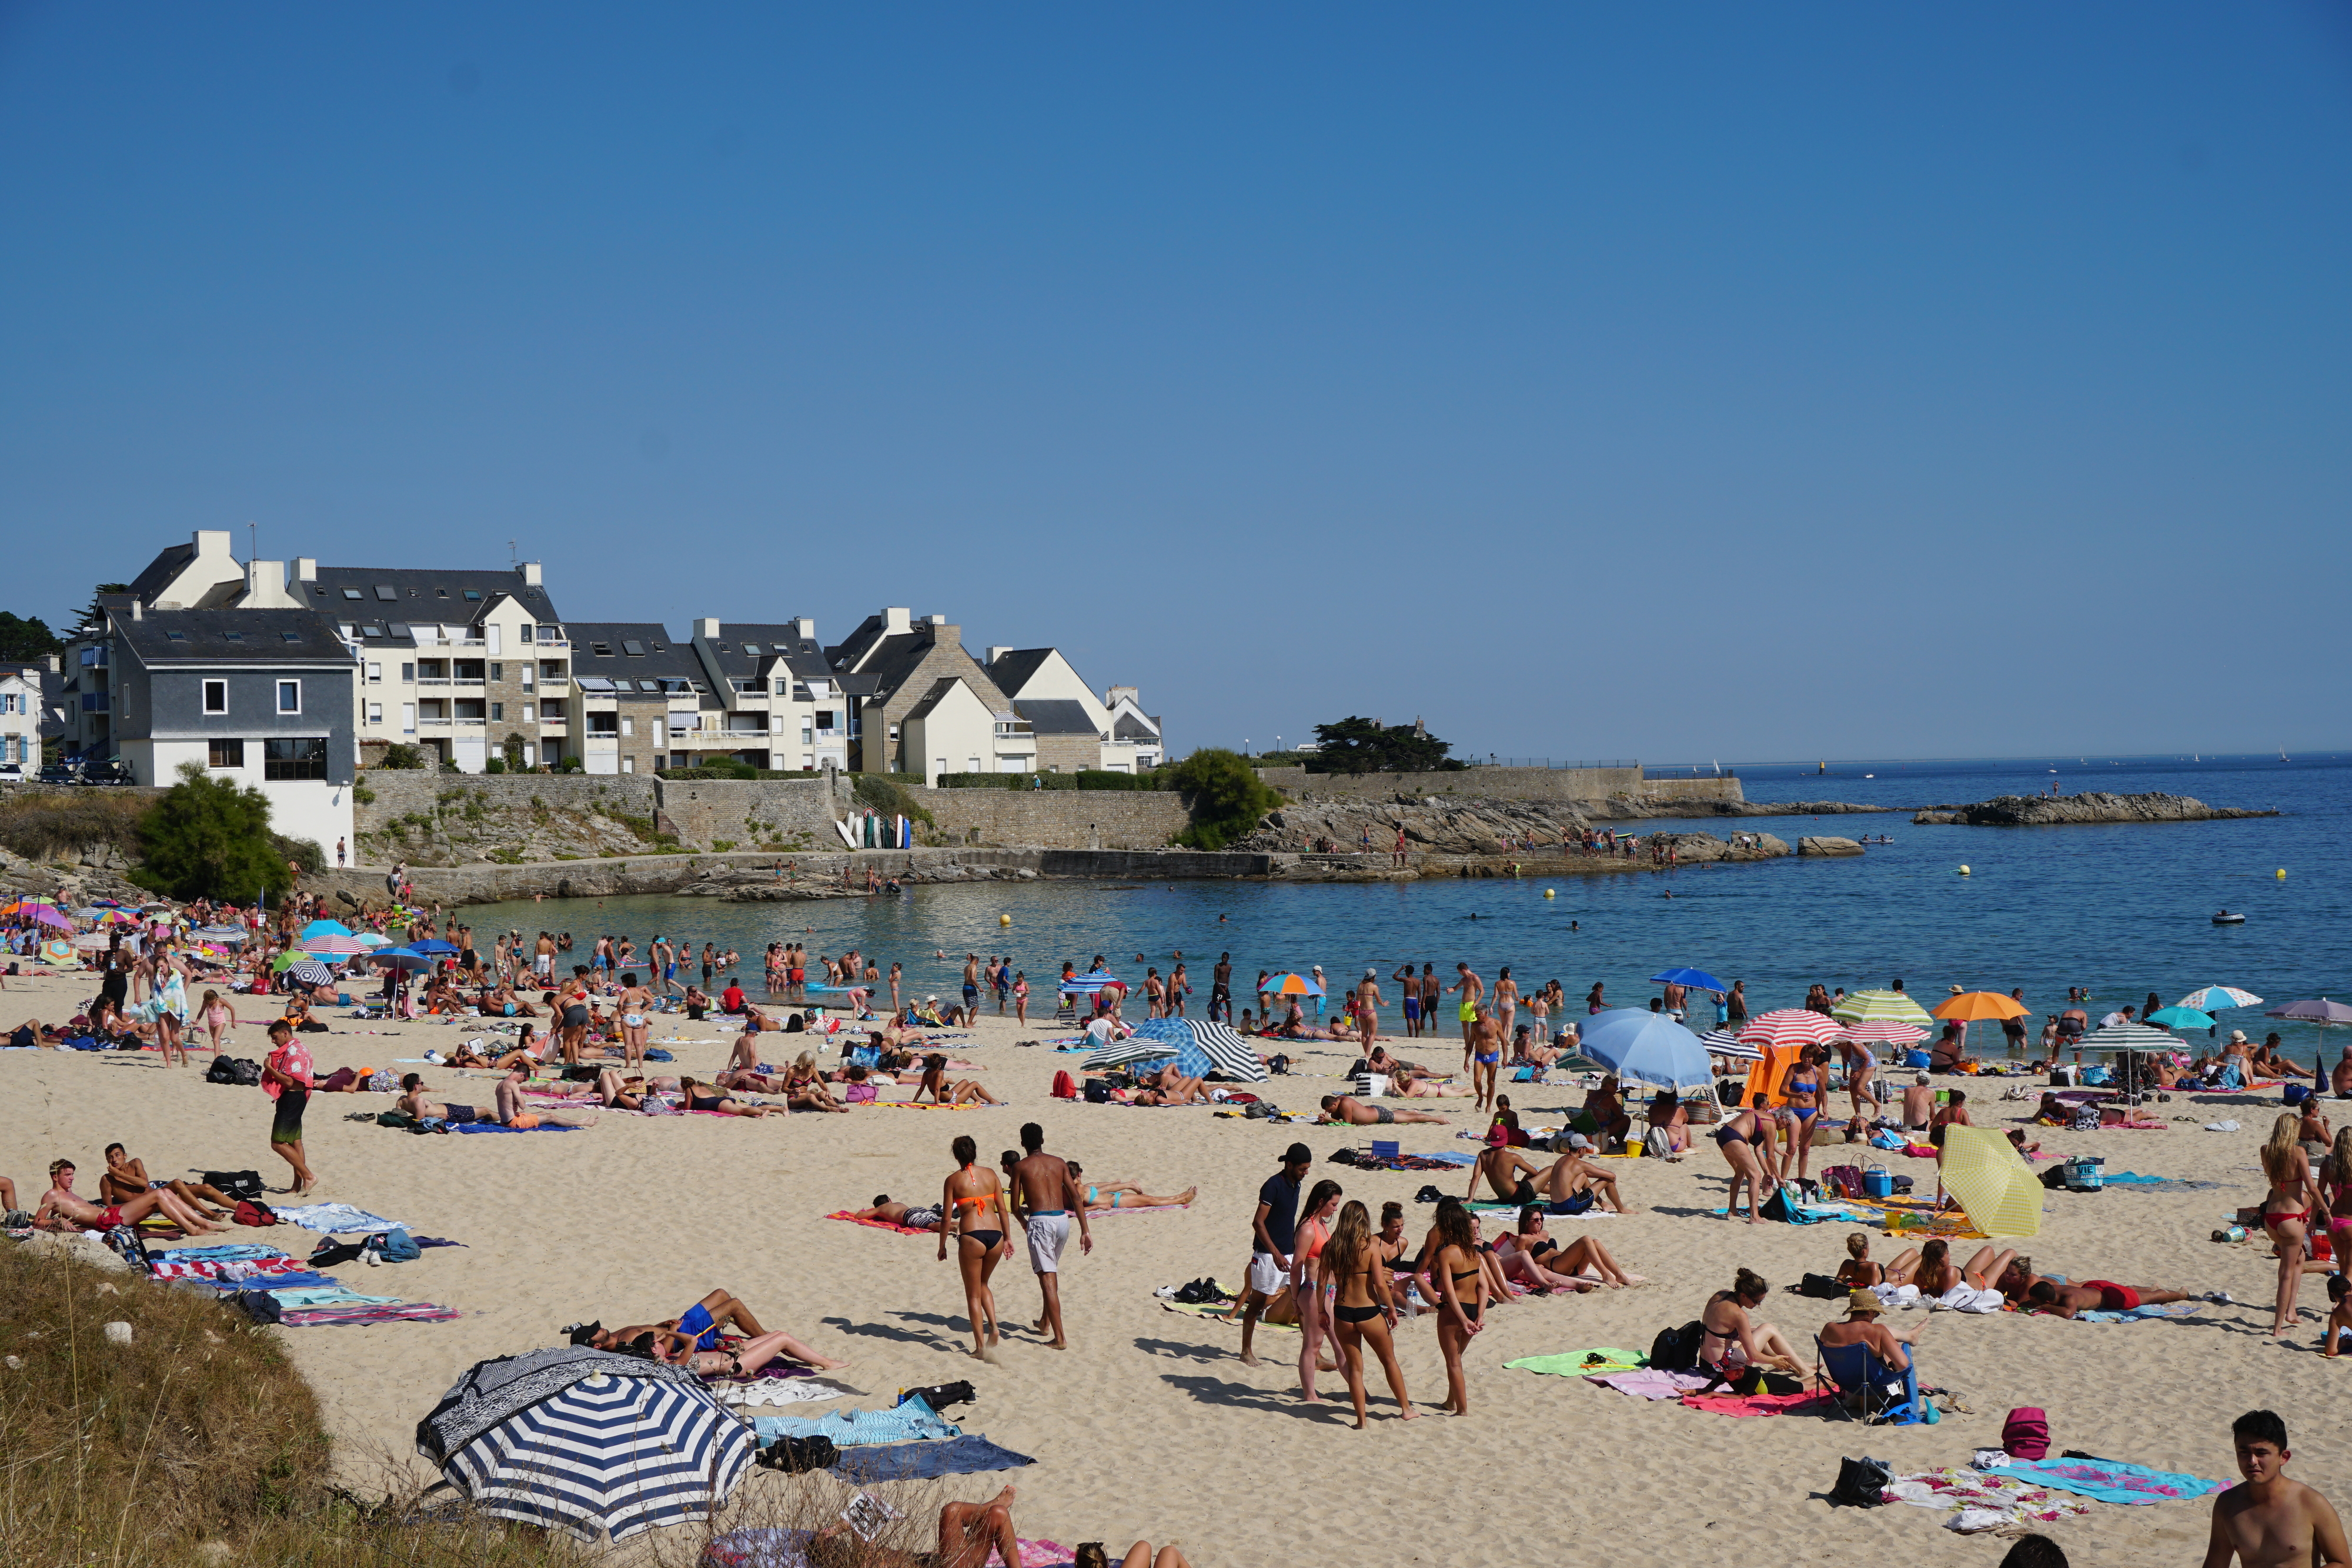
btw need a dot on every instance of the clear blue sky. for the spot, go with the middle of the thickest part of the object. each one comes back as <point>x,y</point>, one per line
<point>1646,381</point>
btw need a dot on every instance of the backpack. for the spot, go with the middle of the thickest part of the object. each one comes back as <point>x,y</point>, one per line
<point>260,1306</point>
<point>219,1072</point>
<point>2026,1433</point>
<point>795,1455</point>
<point>1065,1087</point>
<point>1822,1288</point>
<point>1861,1483</point>
<point>1677,1350</point>
<point>125,1242</point>
<point>1844,1180</point>
<point>1098,1092</point>
<point>1278,1063</point>
<point>252,1211</point>
<point>236,1183</point>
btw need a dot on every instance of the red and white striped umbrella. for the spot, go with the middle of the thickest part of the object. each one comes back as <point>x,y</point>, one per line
<point>333,947</point>
<point>1894,1031</point>
<point>1785,1027</point>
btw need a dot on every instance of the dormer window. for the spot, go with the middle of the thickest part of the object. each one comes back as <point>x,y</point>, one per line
<point>633,650</point>
<point>352,593</point>
<point>371,630</point>
<point>233,636</point>
<point>440,593</point>
<point>722,647</point>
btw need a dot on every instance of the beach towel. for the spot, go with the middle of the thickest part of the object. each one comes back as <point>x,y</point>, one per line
<point>1216,1312</point>
<point>923,1461</point>
<point>2137,1315</point>
<point>1651,1384</point>
<point>771,1391</point>
<point>331,1217</point>
<point>2174,1183</point>
<point>1756,1404</point>
<point>1967,1298</point>
<point>912,1422</point>
<point>348,1317</point>
<point>879,1224</point>
<point>496,1127</point>
<point>1980,1500</point>
<point>2110,1480</point>
<point>1581,1363</point>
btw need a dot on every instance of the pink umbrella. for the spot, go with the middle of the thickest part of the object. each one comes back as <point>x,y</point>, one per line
<point>331,947</point>
<point>43,913</point>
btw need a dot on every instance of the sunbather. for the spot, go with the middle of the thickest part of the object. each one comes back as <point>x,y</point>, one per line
<point>699,1328</point>
<point>2096,1295</point>
<point>1103,1194</point>
<point>700,1096</point>
<point>746,1358</point>
<point>619,1094</point>
<point>1573,1175</point>
<point>911,1216</point>
<point>416,1101</point>
<point>62,1208</point>
<point>971,1534</point>
<point>1581,1261</point>
<point>1167,1086</point>
<point>1346,1110</point>
<point>1931,1269</point>
<point>125,1178</point>
<point>963,1092</point>
<point>1420,1086</point>
<point>1857,1269</point>
<point>1668,1125</point>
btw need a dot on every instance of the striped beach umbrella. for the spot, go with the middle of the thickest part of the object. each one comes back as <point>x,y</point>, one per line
<point>1204,1047</point>
<point>2214,998</point>
<point>333,947</point>
<point>588,1446</point>
<point>1724,1043</point>
<point>1863,1006</point>
<point>309,972</point>
<point>58,950</point>
<point>1882,1031</point>
<point>221,933</point>
<point>2129,1037</point>
<point>370,939</point>
<point>1785,1027</point>
<point>1094,981</point>
<point>1983,1171</point>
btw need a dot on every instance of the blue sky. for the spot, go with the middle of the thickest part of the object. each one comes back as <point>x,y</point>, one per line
<point>1664,382</point>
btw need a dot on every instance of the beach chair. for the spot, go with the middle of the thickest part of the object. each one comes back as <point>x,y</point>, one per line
<point>1852,1371</point>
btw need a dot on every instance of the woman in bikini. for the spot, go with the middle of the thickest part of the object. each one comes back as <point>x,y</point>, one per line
<point>1389,1245</point>
<point>804,1087</point>
<point>2288,1210</point>
<point>1735,1342</point>
<point>1861,1067</point>
<point>1576,1265</point>
<point>1802,1087</point>
<point>1739,1137</point>
<point>700,1096</point>
<point>1858,1271</point>
<point>1314,1232</point>
<point>1351,1275</point>
<point>1106,1194</point>
<point>2336,1181</point>
<point>964,1092</point>
<point>1460,1284</point>
<point>981,1222</point>
<point>745,1360</point>
<point>1932,1270</point>
<point>637,1005</point>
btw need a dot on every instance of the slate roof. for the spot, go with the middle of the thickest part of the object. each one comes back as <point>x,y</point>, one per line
<point>1056,715</point>
<point>231,636</point>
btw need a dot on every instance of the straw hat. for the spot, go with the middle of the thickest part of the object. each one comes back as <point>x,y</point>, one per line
<point>1864,1301</point>
<point>2237,1037</point>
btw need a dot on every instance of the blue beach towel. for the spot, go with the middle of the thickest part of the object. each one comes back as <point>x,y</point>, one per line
<point>2110,1480</point>
<point>923,1461</point>
<point>913,1422</point>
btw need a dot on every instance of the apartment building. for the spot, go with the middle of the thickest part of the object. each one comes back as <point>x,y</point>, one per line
<point>893,663</point>
<point>775,676</point>
<point>1074,729</point>
<point>640,699</point>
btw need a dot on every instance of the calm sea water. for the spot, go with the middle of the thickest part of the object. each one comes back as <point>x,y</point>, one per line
<point>2122,910</point>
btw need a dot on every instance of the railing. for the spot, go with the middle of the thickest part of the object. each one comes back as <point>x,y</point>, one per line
<point>1491,760</point>
<point>432,680</point>
<point>424,719</point>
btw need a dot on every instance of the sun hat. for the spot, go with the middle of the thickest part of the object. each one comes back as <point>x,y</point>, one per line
<point>2237,1037</point>
<point>1864,1301</point>
<point>1956,990</point>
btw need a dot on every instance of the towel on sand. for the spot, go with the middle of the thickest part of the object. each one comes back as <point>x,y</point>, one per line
<point>912,1422</point>
<point>332,1217</point>
<point>1756,1404</point>
<point>1596,1362</point>
<point>921,1461</point>
<point>764,1391</point>
<point>879,1224</point>
<point>1652,1384</point>
<point>2138,1314</point>
<point>2110,1480</point>
<point>1979,1499</point>
<point>771,1548</point>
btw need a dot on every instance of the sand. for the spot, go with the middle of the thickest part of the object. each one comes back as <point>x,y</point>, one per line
<point>1150,1426</point>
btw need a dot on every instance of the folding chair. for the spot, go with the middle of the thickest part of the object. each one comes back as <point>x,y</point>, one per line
<point>1852,1370</point>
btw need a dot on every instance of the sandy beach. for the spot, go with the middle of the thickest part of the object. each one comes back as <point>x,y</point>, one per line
<point>1149,1425</point>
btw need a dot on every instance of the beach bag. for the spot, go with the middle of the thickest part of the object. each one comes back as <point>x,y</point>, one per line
<point>1822,1288</point>
<point>795,1456</point>
<point>1065,1087</point>
<point>125,1242</point>
<point>394,1246</point>
<point>1845,1181</point>
<point>2026,1433</point>
<point>1098,1092</point>
<point>221,1070</point>
<point>1787,1205</point>
<point>236,1183</point>
<point>245,1074</point>
<point>394,1119</point>
<point>260,1306</point>
<point>252,1211</point>
<point>1861,1483</point>
<point>939,1396</point>
<point>1677,1350</point>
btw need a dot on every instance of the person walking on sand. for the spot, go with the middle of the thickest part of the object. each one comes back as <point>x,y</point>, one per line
<point>1368,1008</point>
<point>1049,1196</point>
<point>1487,1052</point>
<point>286,1079</point>
<point>2272,1520</point>
<point>1273,1235</point>
<point>981,1222</point>
<point>1472,988</point>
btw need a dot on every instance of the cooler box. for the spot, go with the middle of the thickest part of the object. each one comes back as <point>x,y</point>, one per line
<point>1877,1182</point>
<point>1384,1148</point>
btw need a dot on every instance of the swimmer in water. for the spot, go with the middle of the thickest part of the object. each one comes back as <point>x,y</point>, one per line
<point>1572,926</point>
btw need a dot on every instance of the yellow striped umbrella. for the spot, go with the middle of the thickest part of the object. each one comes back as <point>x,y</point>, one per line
<point>1893,1007</point>
<point>1983,1171</point>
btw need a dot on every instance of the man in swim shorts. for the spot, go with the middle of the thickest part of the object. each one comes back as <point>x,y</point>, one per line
<point>1472,988</point>
<point>62,1208</point>
<point>1349,1111</point>
<point>1046,1195</point>
<point>1487,1054</point>
<point>2096,1295</point>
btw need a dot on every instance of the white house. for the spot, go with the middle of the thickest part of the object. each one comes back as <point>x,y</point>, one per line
<point>20,720</point>
<point>953,730</point>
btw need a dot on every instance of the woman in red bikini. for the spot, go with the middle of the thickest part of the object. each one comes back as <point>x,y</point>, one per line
<point>2287,1213</point>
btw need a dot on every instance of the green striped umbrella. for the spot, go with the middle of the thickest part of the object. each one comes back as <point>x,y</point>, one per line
<point>1894,1007</point>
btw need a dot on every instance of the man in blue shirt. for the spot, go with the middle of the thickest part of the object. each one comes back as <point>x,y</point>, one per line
<point>1273,1232</point>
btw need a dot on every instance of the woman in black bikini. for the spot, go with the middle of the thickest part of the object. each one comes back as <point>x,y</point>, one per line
<point>700,1096</point>
<point>983,1224</point>
<point>1352,1266</point>
<point>1739,1137</point>
<point>1453,1265</point>
<point>1735,1342</point>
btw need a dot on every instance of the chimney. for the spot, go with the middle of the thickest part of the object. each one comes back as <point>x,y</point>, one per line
<point>530,573</point>
<point>943,634</point>
<point>306,569</point>
<point>136,613</point>
<point>995,654</point>
<point>804,629</point>
<point>57,663</point>
<point>210,542</point>
<point>895,622</point>
<point>708,627</point>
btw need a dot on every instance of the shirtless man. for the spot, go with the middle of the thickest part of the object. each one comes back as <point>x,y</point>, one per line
<point>2096,1295</point>
<point>909,1215</point>
<point>1368,1008</point>
<point>1507,1171</point>
<point>1918,1104</point>
<point>125,1178</point>
<point>507,1105</point>
<point>62,1208</point>
<point>1573,1174</point>
<point>1346,1110</point>
<point>2272,1520</point>
<point>1486,1037</point>
<point>1046,1196</point>
<point>1472,988</point>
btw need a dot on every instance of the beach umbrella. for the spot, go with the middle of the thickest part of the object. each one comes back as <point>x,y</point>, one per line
<point>1724,1043</point>
<point>1971,1005</point>
<point>325,928</point>
<point>90,942</point>
<point>1292,986</point>
<point>1864,1006</point>
<point>1883,1030</point>
<point>587,1441</point>
<point>310,972</point>
<point>1204,1047</point>
<point>221,933</point>
<point>1696,979</point>
<point>401,958</point>
<point>1984,1172</point>
<point>44,915</point>
<point>2181,1018</point>
<point>2213,999</point>
<point>2129,1037</point>
<point>1646,1048</point>
<point>370,939</point>
<point>1784,1027</point>
<point>434,946</point>
<point>333,947</point>
<point>59,951</point>
<point>1094,981</point>
<point>1135,1048</point>
<point>2320,1010</point>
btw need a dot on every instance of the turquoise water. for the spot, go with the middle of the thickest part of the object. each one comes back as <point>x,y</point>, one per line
<point>2121,910</point>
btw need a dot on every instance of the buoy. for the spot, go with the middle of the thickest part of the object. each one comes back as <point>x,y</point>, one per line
<point>1549,893</point>
<point>1004,920</point>
<point>1964,870</point>
<point>2282,873</point>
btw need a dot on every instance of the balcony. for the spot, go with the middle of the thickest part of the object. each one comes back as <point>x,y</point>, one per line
<point>426,721</point>
<point>434,681</point>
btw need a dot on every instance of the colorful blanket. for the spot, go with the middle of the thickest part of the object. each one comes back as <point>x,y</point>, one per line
<point>2110,1480</point>
<point>1757,1404</point>
<point>2137,1315</point>
<point>344,1317</point>
<point>1581,1363</point>
<point>879,1224</point>
<point>1980,1500</point>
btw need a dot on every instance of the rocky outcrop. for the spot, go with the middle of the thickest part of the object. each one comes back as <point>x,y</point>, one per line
<point>2040,811</point>
<point>1827,846</point>
<point>1432,826</point>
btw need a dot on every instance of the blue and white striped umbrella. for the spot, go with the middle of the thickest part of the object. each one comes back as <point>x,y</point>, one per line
<point>1093,982</point>
<point>1202,1048</point>
<point>611,1454</point>
<point>1724,1043</point>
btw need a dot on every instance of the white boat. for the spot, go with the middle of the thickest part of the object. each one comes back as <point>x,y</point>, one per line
<point>2226,918</point>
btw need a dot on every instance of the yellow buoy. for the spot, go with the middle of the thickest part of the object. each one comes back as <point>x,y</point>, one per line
<point>1004,920</point>
<point>1964,870</point>
<point>2282,873</point>
<point>1549,893</point>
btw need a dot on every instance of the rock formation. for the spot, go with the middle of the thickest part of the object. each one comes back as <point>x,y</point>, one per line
<point>1826,846</point>
<point>2095,806</point>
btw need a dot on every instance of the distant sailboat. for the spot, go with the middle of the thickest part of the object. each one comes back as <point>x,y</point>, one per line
<point>2283,755</point>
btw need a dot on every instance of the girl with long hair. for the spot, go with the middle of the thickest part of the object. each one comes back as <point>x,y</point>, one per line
<point>981,1222</point>
<point>1453,1265</point>
<point>1314,1234</point>
<point>1351,1269</point>
<point>2288,1209</point>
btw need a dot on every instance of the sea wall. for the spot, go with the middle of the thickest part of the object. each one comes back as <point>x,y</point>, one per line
<point>1614,793</point>
<point>1057,818</point>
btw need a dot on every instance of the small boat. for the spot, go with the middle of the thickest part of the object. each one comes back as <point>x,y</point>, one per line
<point>2225,918</point>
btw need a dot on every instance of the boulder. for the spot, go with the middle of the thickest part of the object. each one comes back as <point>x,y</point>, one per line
<point>1825,846</point>
<point>2094,806</point>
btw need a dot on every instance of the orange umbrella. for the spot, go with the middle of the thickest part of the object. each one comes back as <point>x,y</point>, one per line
<point>1982,1005</point>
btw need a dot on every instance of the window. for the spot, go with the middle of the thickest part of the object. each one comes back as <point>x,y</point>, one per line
<point>605,723</point>
<point>526,672</point>
<point>408,674</point>
<point>352,593</point>
<point>784,688</point>
<point>628,765</point>
<point>217,697</point>
<point>372,630</point>
<point>469,710</point>
<point>375,713</point>
<point>628,726</point>
<point>602,649</point>
<point>551,711</point>
<point>752,649</point>
<point>408,718</point>
<point>440,593</point>
<point>294,759</point>
<point>399,629</point>
<point>806,738</point>
<point>175,636</point>
<point>750,688</point>
<point>474,593</point>
<point>386,592</point>
<point>232,636</point>
<point>634,650</point>
<point>290,636</point>
<point>224,754</point>
<point>497,672</point>
<point>894,732</point>
<point>498,711</point>
<point>289,696</point>
<point>375,674</point>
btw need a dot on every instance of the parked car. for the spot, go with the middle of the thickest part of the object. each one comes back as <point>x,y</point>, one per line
<point>11,773</point>
<point>110,771</point>
<point>61,773</point>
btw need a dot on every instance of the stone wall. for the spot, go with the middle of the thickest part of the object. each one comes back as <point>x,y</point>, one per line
<point>404,792</point>
<point>1057,818</point>
<point>1612,792</point>
<point>792,813</point>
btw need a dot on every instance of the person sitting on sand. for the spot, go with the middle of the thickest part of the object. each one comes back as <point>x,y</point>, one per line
<point>1582,1260</point>
<point>1346,1109</point>
<point>698,1329</point>
<point>1861,1326</point>
<point>2053,1111</point>
<point>912,1216</point>
<point>1948,1054</point>
<point>1505,1171</point>
<point>125,1178</point>
<point>970,1535</point>
<point>1607,1108</point>
<point>963,1092</point>
<point>618,1094</point>
<point>1918,1104</point>
<point>804,1087</point>
<point>1930,1268</point>
<point>1574,1174</point>
<point>2267,1063</point>
<point>1668,1125</point>
<point>1735,1342</point>
<point>62,1208</point>
<point>1104,1194</point>
<point>1858,1270</point>
<point>2096,1295</point>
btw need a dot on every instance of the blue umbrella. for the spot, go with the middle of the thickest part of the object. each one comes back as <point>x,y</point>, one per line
<point>1648,1048</point>
<point>401,958</point>
<point>1093,982</point>
<point>2181,1018</point>
<point>1696,979</point>
<point>432,944</point>
<point>326,928</point>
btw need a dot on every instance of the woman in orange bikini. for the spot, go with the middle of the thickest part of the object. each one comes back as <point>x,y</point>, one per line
<point>2287,1212</point>
<point>981,1221</point>
<point>1314,1233</point>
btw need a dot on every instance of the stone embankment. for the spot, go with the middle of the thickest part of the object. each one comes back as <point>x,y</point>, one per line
<point>2043,811</point>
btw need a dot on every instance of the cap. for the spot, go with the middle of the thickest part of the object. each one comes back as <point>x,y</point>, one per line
<point>1370,973</point>
<point>1864,1301</point>
<point>1498,1133</point>
<point>1578,1140</point>
<point>1298,1155</point>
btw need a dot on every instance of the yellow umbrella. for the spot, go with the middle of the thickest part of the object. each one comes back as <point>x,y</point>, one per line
<point>1983,1171</point>
<point>1982,1005</point>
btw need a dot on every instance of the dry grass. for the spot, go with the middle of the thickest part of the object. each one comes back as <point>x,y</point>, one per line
<point>43,824</point>
<point>195,1444</point>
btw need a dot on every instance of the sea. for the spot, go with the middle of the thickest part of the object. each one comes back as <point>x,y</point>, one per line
<point>2120,911</point>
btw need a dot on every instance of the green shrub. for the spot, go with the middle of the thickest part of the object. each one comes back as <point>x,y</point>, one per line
<point>363,795</point>
<point>209,838</point>
<point>877,791</point>
<point>495,765</point>
<point>304,852</point>
<point>401,756</point>
<point>1222,794</point>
